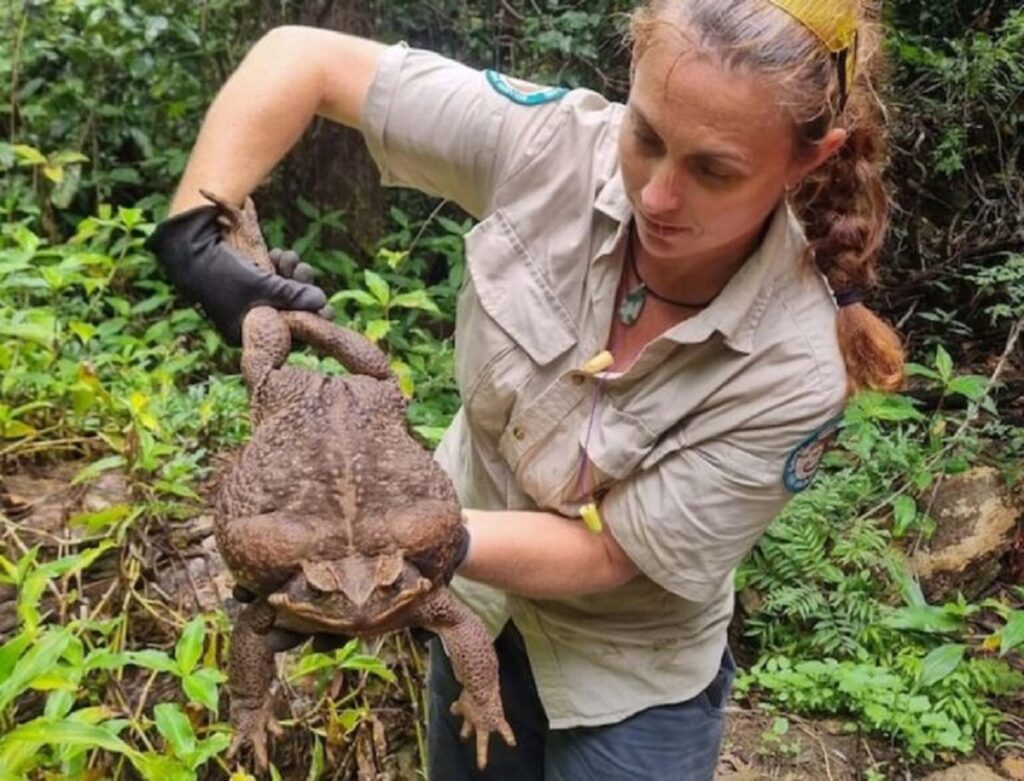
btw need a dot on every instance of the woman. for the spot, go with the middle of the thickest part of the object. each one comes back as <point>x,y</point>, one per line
<point>645,341</point>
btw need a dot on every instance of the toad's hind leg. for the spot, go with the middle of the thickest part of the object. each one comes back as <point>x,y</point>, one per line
<point>474,663</point>
<point>354,351</point>
<point>266,342</point>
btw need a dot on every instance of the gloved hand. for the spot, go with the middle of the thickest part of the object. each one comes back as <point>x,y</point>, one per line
<point>214,275</point>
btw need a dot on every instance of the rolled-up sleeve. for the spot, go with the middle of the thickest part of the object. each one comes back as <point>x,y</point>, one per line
<point>687,521</point>
<point>437,126</point>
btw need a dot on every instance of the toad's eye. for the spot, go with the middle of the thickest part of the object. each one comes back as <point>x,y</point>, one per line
<point>315,592</point>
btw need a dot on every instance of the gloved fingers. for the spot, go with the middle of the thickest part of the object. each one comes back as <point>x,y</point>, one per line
<point>285,261</point>
<point>281,293</point>
<point>304,273</point>
<point>278,640</point>
<point>242,594</point>
<point>288,263</point>
<point>323,643</point>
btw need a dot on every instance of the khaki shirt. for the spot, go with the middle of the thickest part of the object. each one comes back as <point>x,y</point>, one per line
<point>686,450</point>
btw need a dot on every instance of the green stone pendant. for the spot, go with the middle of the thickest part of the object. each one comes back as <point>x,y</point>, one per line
<point>632,305</point>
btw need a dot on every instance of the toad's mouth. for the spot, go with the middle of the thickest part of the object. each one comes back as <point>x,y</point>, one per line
<point>337,614</point>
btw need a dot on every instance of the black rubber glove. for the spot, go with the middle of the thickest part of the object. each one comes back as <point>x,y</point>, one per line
<point>213,275</point>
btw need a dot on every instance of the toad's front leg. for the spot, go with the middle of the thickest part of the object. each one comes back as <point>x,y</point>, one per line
<point>475,665</point>
<point>250,677</point>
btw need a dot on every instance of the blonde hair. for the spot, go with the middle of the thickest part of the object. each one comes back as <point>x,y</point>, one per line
<point>843,203</point>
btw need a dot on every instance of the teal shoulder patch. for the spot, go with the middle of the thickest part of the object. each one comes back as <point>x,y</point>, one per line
<point>523,92</point>
<point>802,463</point>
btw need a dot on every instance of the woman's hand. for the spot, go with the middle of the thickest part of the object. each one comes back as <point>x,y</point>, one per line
<point>226,285</point>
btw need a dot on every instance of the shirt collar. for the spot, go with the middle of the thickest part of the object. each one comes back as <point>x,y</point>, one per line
<point>611,198</point>
<point>738,309</point>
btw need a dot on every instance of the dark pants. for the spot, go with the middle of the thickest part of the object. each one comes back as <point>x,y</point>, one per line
<point>677,742</point>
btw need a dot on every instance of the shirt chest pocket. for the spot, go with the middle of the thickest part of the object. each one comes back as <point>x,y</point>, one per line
<point>511,324</point>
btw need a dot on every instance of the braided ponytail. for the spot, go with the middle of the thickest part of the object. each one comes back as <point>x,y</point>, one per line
<point>843,203</point>
<point>845,210</point>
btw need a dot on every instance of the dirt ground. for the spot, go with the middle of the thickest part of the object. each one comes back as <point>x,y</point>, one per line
<point>757,748</point>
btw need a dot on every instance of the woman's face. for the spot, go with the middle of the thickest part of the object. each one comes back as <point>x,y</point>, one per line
<point>705,154</point>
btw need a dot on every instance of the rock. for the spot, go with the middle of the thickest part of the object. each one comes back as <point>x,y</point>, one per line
<point>976,519</point>
<point>1013,766</point>
<point>972,772</point>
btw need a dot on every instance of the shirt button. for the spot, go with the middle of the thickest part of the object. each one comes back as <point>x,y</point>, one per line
<point>518,432</point>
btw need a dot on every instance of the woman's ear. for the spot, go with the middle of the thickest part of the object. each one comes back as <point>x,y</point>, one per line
<point>818,154</point>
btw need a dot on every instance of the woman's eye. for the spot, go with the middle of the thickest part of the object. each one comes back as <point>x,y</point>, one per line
<point>648,140</point>
<point>715,174</point>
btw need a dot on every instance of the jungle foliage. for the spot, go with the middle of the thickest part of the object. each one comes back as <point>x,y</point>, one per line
<point>103,675</point>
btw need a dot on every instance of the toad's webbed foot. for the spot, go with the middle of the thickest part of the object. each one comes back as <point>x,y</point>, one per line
<point>482,717</point>
<point>251,726</point>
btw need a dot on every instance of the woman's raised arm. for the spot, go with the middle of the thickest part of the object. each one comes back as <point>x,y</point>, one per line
<point>291,75</point>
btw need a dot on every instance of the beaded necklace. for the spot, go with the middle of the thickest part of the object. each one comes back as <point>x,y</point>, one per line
<point>633,301</point>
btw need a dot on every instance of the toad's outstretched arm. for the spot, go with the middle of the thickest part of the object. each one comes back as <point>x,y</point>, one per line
<point>250,677</point>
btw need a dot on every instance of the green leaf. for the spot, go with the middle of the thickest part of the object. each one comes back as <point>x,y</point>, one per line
<point>201,687</point>
<point>944,364</point>
<point>154,767</point>
<point>904,513</point>
<point>40,329</point>
<point>377,329</point>
<point>971,386</point>
<point>96,468</point>
<point>391,257</point>
<point>359,296</point>
<point>84,331</point>
<point>67,157</point>
<point>210,747</point>
<point>929,619</point>
<point>316,767</point>
<point>15,429</point>
<point>416,299</point>
<point>152,659</point>
<point>1012,635</point>
<point>59,704</point>
<point>378,286</point>
<point>369,664</point>
<point>173,724</point>
<point>101,519</point>
<point>105,659</point>
<point>190,645</point>
<point>68,733</point>
<point>941,662</point>
<point>311,663</point>
<point>40,658</point>
<point>917,370</point>
<point>29,155</point>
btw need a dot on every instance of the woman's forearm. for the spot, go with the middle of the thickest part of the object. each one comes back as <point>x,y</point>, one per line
<point>542,555</point>
<point>289,76</point>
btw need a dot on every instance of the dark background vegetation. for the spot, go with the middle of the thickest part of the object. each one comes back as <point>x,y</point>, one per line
<point>105,375</point>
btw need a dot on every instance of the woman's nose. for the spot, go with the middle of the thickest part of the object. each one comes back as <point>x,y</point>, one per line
<point>660,195</point>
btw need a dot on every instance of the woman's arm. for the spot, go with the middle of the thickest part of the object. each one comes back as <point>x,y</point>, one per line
<point>291,75</point>
<point>542,555</point>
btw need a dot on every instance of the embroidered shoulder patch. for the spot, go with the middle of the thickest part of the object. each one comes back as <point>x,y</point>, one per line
<point>802,463</point>
<point>523,92</point>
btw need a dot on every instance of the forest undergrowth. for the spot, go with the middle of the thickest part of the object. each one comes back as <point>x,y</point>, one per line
<point>114,617</point>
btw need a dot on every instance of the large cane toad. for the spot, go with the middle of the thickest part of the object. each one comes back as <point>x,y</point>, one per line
<point>334,517</point>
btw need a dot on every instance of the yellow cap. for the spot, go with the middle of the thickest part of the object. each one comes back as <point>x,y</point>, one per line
<point>833,21</point>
